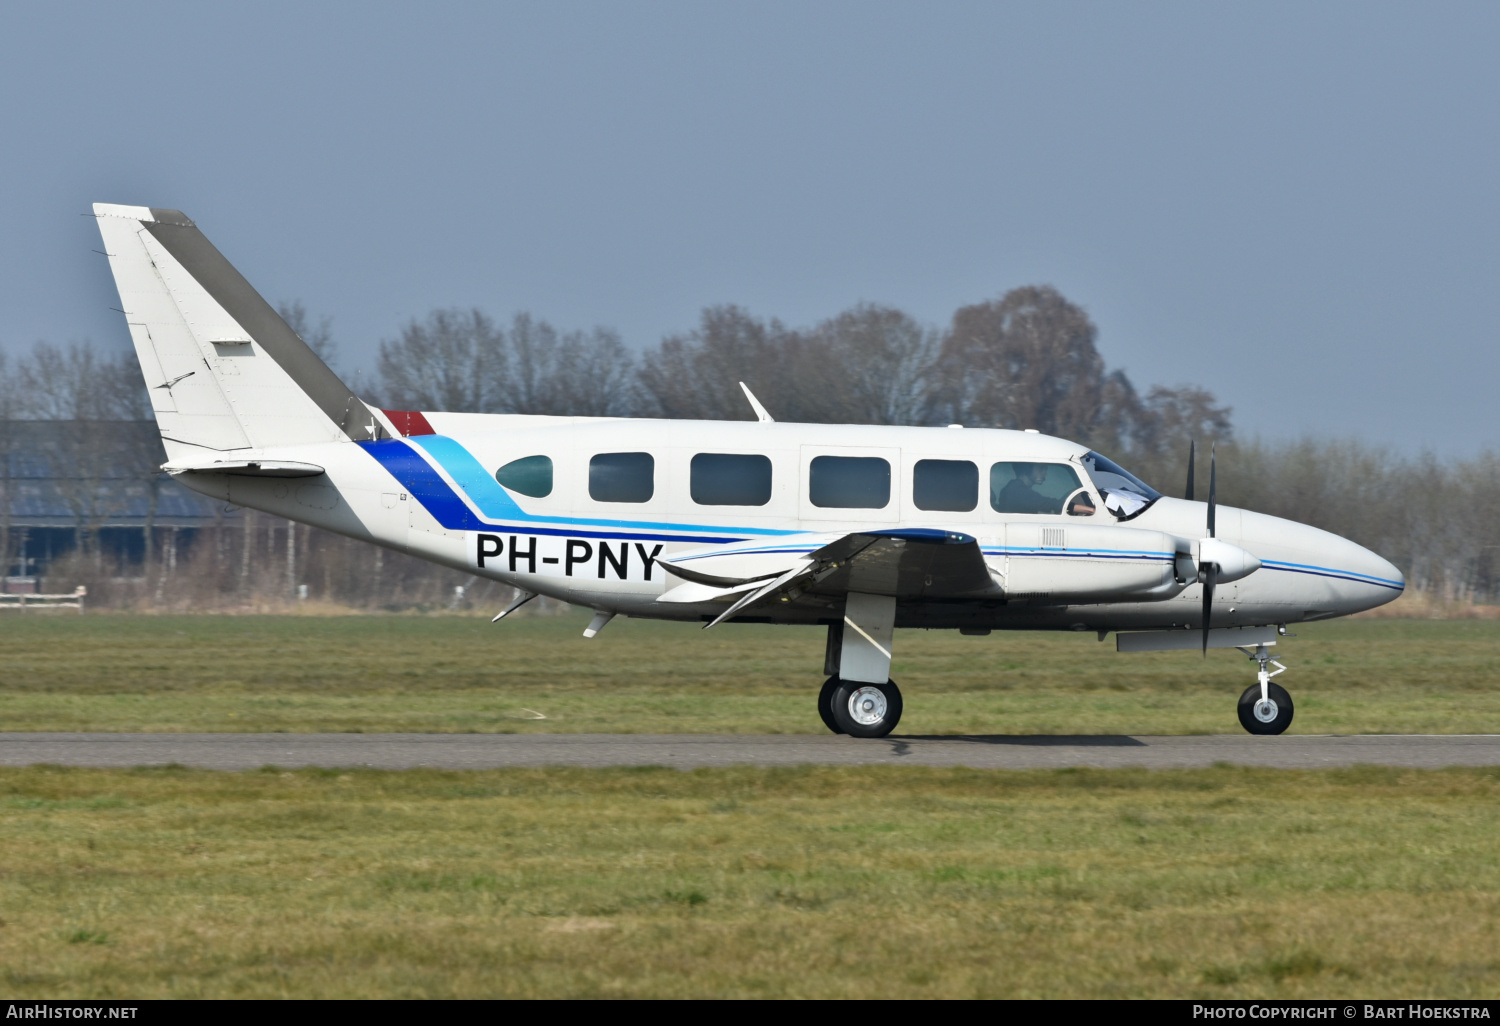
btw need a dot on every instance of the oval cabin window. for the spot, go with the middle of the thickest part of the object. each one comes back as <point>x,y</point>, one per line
<point>529,475</point>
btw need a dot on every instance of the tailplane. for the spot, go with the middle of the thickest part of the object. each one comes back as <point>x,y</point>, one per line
<point>225,372</point>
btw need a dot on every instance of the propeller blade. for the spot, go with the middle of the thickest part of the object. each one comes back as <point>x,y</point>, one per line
<point>1192,447</point>
<point>1210,576</point>
<point>1213,476</point>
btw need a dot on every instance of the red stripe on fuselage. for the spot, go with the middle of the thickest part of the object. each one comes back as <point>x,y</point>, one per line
<point>409,422</point>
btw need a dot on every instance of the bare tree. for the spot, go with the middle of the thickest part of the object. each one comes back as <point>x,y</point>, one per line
<point>9,412</point>
<point>596,375</point>
<point>869,365</point>
<point>1025,360</point>
<point>78,383</point>
<point>1163,427</point>
<point>530,379</point>
<point>85,392</point>
<point>695,375</point>
<point>450,361</point>
<point>573,374</point>
<point>1029,360</point>
<point>319,339</point>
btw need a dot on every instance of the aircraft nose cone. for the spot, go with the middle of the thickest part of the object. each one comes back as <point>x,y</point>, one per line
<point>1314,574</point>
<point>1365,580</point>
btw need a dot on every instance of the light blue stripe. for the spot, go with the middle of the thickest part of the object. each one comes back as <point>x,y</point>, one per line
<point>497,504</point>
<point>1328,571</point>
<point>1082,553</point>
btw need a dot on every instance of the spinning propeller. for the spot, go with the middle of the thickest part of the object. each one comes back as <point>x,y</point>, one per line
<point>1217,560</point>
<point>1208,571</point>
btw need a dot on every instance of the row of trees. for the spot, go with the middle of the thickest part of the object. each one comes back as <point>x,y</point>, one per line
<point>1028,359</point>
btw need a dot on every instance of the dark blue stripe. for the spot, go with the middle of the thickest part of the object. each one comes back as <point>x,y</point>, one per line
<point>424,485</point>
<point>1291,568</point>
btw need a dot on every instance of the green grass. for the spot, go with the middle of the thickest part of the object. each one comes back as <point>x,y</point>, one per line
<point>442,673</point>
<point>812,882</point>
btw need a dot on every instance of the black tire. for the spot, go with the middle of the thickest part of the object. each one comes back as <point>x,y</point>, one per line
<point>884,703</point>
<point>1253,723</point>
<point>825,704</point>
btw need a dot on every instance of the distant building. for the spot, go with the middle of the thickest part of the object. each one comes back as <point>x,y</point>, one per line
<point>64,484</point>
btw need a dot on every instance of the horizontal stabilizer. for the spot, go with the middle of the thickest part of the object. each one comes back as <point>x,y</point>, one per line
<point>247,468</point>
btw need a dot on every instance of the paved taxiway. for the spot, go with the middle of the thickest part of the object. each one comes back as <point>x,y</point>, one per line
<point>689,751</point>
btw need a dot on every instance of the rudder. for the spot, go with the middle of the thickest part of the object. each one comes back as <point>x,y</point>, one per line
<point>223,369</point>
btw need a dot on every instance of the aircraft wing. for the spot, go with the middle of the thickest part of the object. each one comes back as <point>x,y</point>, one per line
<point>907,563</point>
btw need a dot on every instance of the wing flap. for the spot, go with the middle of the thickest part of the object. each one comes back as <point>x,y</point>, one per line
<point>906,564</point>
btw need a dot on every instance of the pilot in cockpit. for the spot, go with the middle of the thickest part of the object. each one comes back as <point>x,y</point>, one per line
<point>1019,494</point>
<point>1081,505</point>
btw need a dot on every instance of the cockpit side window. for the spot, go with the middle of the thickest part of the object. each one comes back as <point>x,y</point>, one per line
<point>1031,487</point>
<point>1124,494</point>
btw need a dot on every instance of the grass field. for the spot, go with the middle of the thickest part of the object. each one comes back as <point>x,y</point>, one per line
<point>814,882</point>
<point>451,673</point>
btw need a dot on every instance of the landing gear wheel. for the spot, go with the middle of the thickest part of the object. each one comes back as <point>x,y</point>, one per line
<point>825,704</point>
<point>866,710</point>
<point>1271,716</point>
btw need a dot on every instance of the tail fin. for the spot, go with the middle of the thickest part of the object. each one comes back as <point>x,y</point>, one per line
<point>224,370</point>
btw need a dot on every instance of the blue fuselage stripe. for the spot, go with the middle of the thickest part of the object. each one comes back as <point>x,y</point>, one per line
<point>426,486</point>
<point>1324,571</point>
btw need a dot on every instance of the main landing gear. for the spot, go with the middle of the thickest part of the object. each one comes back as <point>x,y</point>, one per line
<point>859,698</point>
<point>859,709</point>
<point>1265,708</point>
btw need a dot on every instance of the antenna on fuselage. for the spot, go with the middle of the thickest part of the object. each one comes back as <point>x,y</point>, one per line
<point>760,411</point>
<point>1192,447</point>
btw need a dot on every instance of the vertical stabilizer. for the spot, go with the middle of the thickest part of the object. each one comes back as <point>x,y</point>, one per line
<point>224,370</point>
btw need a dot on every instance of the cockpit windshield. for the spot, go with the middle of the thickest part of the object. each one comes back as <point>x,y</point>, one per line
<point>1124,494</point>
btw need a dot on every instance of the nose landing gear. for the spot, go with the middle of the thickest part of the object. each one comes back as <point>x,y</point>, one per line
<point>1265,708</point>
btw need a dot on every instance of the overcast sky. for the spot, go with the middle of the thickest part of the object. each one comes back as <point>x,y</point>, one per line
<point>1293,205</point>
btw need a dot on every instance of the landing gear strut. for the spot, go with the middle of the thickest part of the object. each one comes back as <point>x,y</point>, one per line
<point>1265,708</point>
<point>859,698</point>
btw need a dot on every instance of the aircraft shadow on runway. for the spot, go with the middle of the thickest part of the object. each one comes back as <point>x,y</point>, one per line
<point>1029,740</point>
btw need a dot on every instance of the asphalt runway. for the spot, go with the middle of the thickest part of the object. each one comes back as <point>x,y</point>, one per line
<point>691,751</point>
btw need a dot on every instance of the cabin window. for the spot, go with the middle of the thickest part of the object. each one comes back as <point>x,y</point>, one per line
<point>849,482</point>
<point>950,485</point>
<point>1031,487</point>
<point>529,475</point>
<point>1124,494</point>
<point>622,477</point>
<point>730,479</point>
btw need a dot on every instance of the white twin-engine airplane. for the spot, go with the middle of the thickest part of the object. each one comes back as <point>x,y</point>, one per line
<point>860,529</point>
